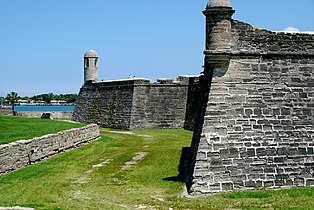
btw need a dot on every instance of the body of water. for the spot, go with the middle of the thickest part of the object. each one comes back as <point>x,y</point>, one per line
<point>44,108</point>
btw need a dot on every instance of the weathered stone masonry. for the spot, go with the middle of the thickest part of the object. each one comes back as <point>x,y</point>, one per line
<point>137,103</point>
<point>6,111</point>
<point>21,153</point>
<point>253,107</point>
<point>255,120</point>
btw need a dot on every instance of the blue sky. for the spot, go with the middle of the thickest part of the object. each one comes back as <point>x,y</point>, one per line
<point>42,42</point>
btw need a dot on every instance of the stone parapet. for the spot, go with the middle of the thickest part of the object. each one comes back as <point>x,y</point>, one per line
<point>21,153</point>
<point>253,40</point>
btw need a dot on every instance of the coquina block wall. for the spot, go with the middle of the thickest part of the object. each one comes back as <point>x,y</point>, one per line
<point>255,123</point>
<point>21,153</point>
<point>6,111</point>
<point>54,115</point>
<point>137,103</point>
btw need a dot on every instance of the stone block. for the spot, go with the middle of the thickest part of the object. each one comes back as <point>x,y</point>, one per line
<point>279,183</point>
<point>249,184</point>
<point>227,186</point>
<point>280,159</point>
<point>282,151</point>
<point>251,152</point>
<point>259,184</point>
<point>269,170</point>
<point>271,151</point>
<point>310,150</point>
<point>269,184</point>
<point>299,182</point>
<point>215,187</point>
<point>248,112</point>
<point>261,152</point>
<point>238,185</point>
<point>302,151</point>
<point>282,177</point>
<point>309,182</point>
<point>285,111</point>
<point>267,127</point>
<point>257,112</point>
<point>217,169</point>
<point>257,127</point>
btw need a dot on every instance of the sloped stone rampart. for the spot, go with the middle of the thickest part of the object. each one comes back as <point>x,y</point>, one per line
<point>258,127</point>
<point>21,153</point>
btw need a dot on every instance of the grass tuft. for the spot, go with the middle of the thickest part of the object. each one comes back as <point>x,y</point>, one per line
<point>248,194</point>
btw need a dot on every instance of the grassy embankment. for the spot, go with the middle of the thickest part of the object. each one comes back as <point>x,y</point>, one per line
<point>17,128</point>
<point>95,177</point>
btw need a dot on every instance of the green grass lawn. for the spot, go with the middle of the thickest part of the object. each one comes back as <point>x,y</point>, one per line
<point>91,177</point>
<point>17,128</point>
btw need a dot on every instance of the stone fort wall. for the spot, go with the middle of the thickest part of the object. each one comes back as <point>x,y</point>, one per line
<point>137,103</point>
<point>255,124</point>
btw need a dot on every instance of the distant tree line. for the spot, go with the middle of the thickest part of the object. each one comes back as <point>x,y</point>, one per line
<point>13,97</point>
<point>48,97</point>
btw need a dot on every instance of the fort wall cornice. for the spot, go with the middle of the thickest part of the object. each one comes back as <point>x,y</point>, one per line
<point>259,54</point>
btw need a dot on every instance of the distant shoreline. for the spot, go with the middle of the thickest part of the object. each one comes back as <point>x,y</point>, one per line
<point>70,104</point>
<point>44,108</point>
<point>16,105</point>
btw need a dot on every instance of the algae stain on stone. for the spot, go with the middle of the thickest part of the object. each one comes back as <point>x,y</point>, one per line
<point>94,109</point>
<point>112,111</point>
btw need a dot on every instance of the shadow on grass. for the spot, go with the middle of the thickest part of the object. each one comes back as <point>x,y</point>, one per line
<point>174,179</point>
<point>183,167</point>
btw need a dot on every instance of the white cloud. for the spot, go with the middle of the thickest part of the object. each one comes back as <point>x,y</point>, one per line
<point>291,29</point>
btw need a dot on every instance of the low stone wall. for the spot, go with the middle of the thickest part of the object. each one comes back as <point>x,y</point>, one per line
<point>21,153</point>
<point>54,115</point>
<point>7,111</point>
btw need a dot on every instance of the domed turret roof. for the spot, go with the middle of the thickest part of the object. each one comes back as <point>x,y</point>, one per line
<point>218,3</point>
<point>91,54</point>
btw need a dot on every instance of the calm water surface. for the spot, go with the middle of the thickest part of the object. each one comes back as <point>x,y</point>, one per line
<point>44,108</point>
